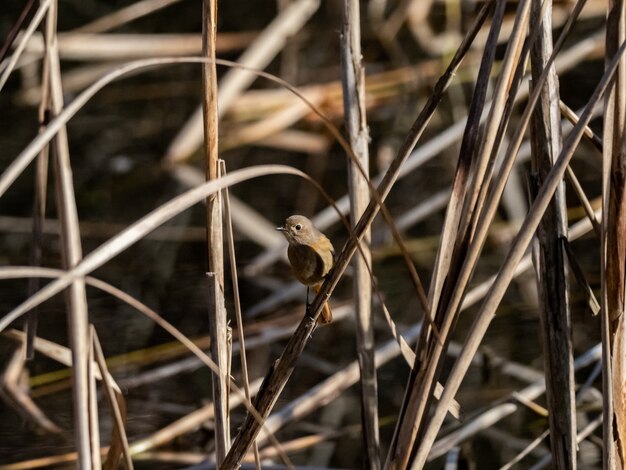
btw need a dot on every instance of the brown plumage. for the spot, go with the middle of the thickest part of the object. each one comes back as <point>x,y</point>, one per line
<point>311,255</point>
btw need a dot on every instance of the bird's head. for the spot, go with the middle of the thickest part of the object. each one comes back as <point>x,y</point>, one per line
<point>298,229</point>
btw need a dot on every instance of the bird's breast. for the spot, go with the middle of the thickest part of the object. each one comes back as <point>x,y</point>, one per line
<point>308,263</point>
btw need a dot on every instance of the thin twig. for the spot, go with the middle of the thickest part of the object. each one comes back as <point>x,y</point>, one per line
<point>230,239</point>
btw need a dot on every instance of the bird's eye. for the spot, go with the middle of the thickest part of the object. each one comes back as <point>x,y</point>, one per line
<point>298,227</point>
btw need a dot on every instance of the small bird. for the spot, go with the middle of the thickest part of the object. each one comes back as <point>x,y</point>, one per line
<point>311,255</point>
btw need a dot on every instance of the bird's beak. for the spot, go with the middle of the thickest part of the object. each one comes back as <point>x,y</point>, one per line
<point>280,229</point>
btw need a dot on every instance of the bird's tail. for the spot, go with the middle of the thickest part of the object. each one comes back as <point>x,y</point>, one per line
<point>327,314</point>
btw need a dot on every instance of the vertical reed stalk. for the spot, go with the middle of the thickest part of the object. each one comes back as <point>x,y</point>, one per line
<point>94,431</point>
<point>614,250</point>
<point>39,204</point>
<point>76,296</point>
<point>353,82</point>
<point>218,322</point>
<point>551,272</point>
<point>230,239</point>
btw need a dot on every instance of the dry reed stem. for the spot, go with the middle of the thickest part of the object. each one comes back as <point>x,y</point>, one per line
<point>353,81</point>
<point>515,254</point>
<point>572,117</point>
<point>15,29</point>
<point>86,423</point>
<point>584,200</point>
<point>39,204</point>
<point>8,64</point>
<point>613,248</point>
<point>124,15</point>
<point>552,282</point>
<point>117,47</point>
<point>218,319</point>
<point>230,239</point>
<point>94,428</point>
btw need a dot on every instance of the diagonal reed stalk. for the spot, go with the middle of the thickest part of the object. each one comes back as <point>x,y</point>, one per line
<point>471,247</point>
<point>423,376</point>
<point>514,255</point>
<point>8,65</point>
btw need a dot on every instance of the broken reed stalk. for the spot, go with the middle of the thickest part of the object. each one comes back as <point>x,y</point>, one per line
<point>515,254</point>
<point>552,283</point>
<point>76,295</point>
<point>613,250</point>
<point>218,321</point>
<point>281,370</point>
<point>230,239</point>
<point>353,83</point>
